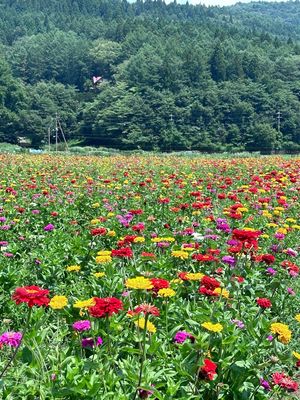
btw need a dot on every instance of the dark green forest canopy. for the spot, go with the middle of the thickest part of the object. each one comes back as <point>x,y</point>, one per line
<point>174,77</point>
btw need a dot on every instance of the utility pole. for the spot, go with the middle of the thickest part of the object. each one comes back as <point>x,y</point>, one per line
<point>49,139</point>
<point>56,132</point>
<point>278,120</point>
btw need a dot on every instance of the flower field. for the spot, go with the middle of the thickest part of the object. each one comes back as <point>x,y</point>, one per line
<point>149,277</point>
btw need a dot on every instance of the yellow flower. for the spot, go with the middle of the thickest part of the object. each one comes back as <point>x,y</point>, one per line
<point>296,226</point>
<point>139,283</point>
<point>283,332</point>
<point>104,253</point>
<point>111,233</point>
<point>297,317</point>
<point>96,205</point>
<point>58,302</point>
<point>222,292</point>
<point>99,274</point>
<point>103,259</point>
<point>95,221</point>
<point>292,220</point>
<point>265,236</point>
<point>139,239</point>
<point>176,281</point>
<point>272,225</point>
<point>194,276</point>
<point>166,292</point>
<point>212,327</point>
<point>282,230</point>
<point>141,324</point>
<point>183,255</point>
<point>84,303</point>
<point>72,268</point>
<point>297,355</point>
<point>110,214</point>
<point>163,239</point>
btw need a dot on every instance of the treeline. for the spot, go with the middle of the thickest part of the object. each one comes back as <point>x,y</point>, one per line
<point>173,77</point>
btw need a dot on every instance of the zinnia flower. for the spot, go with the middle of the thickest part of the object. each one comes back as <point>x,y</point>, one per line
<point>264,303</point>
<point>283,332</point>
<point>58,302</point>
<point>81,326</point>
<point>91,342</point>
<point>139,283</point>
<point>149,327</point>
<point>208,370</point>
<point>212,327</point>
<point>32,295</point>
<point>147,309</point>
<point>284,381</point>
<point>85,304</point>
<point>105,307</point>
<point>12,339</point>
<point>49,228</point>
<point>166,292</point>
<point>182,336</point>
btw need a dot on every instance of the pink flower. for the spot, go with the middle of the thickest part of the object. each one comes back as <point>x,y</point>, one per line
<point>12,339</point>
<point>49,228</point>
<point>81,326</point>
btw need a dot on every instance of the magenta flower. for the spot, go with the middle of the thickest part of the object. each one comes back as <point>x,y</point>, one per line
<point>271,271</point>
<point>12,339</point>
<point>182,336</point>
<point>49,228</point>
<point>91,342</point>
<point>81,326</point>
<point>144,394</point>
<point>229,260</point>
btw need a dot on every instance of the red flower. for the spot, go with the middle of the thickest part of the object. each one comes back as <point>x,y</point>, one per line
<point>204,257</point>
<point>105,307</point>
<point>32,295</point>
<point>98,231</point>
<point>208,370</point>
<point>159,283</point>
<point>148,255</point>
<point>268,258</point>
<point>263,302</point>
<point>124,252</point>
<point>146,309</point>
<point>209,283</point>
<point>207,292</point>
<point>285,382</point>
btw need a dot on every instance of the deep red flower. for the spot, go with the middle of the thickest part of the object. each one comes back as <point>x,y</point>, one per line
<point>268,258</point>
<point>98,231</point>
<point>124,252</point>
<point>32,295</point>
<point>264,303</point>
<point>204,257</point>
<point>159,283</point>
<point>105,307</point>
<point>209,283</point>
<point>208,370</point>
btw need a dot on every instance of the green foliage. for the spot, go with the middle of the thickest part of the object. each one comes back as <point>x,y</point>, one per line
<point>175,77</point>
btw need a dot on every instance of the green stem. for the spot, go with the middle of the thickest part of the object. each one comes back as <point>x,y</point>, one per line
<point>108,335</point>
<point>13,356</point>
<point>143,358</point>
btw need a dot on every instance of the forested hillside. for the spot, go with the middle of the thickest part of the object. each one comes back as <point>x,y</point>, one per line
<point>173,77</point>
